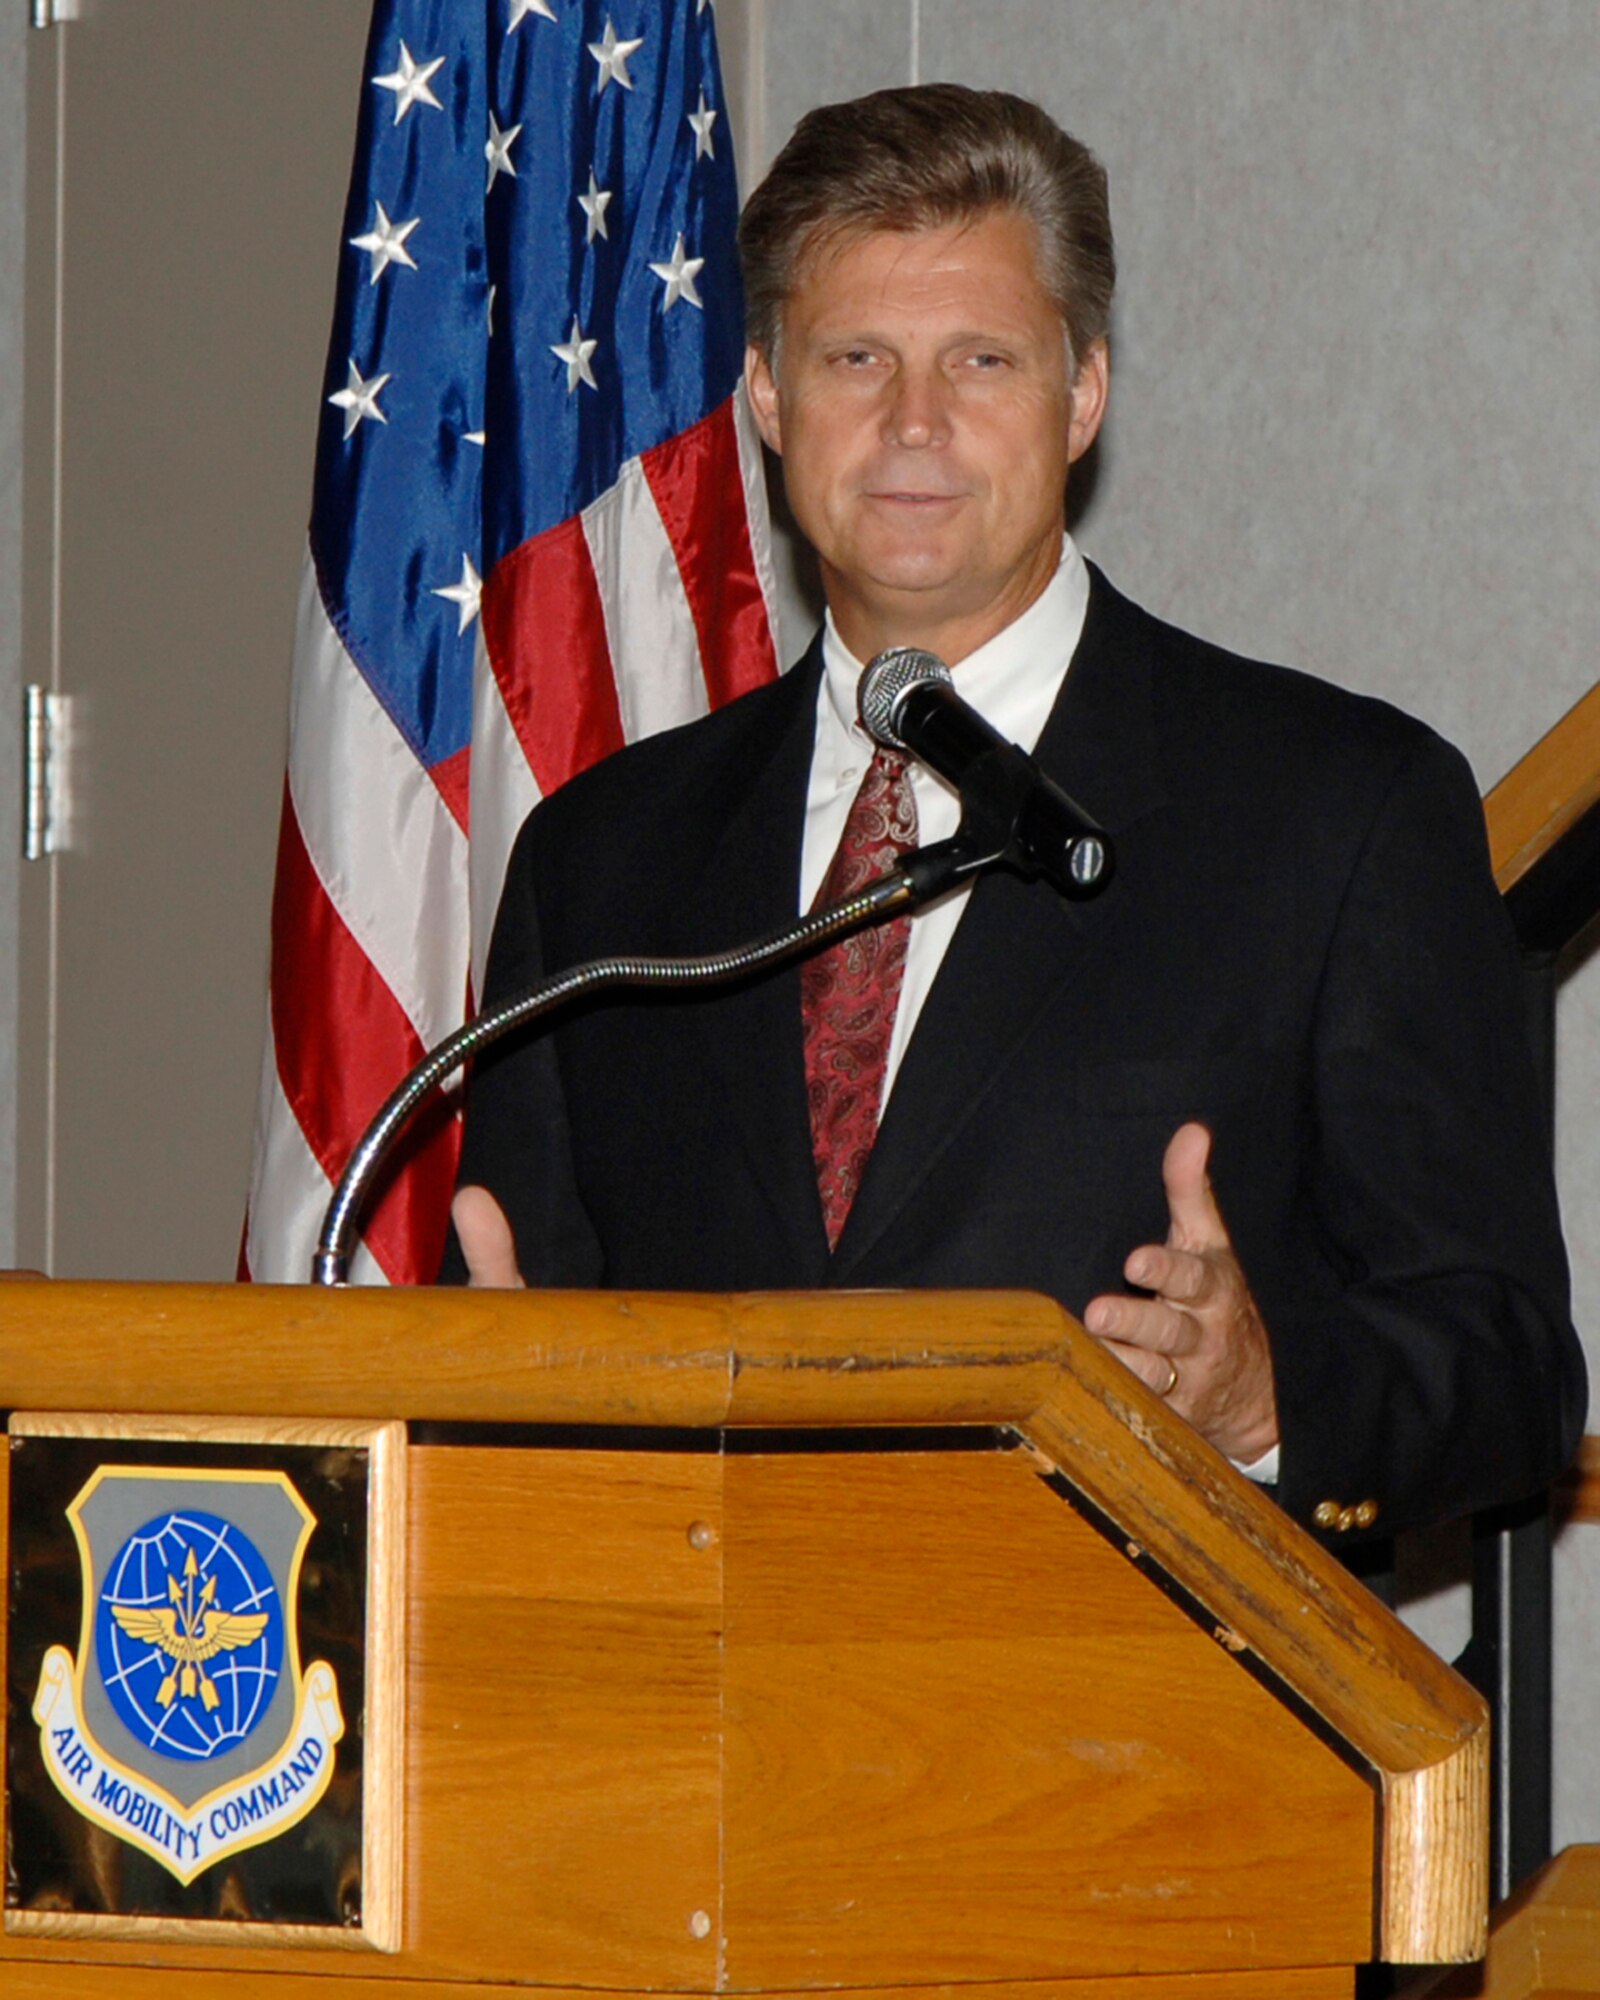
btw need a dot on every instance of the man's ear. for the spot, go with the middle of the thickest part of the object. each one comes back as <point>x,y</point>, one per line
<point>1089,394</point>
<point>761,386</point>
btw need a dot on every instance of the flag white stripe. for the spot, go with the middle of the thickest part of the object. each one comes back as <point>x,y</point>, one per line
<point>290,1195</point>
<point>385,846</point>
<point>503,793</point>
<point>650,632</point>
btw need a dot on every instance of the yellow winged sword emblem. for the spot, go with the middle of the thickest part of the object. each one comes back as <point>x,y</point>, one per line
<point>189,1631</point>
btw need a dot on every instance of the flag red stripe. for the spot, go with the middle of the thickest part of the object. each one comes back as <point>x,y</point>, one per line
<point>699,491</point>
<point>342,1043</point>
<point>545,630</point>
<point>450,778</point>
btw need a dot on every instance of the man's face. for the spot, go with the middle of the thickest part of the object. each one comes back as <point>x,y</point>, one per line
<point>925,412</point>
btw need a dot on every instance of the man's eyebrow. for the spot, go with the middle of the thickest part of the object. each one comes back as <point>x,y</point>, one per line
<point>983,336</point>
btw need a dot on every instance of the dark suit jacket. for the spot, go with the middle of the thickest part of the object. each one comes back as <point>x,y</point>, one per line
<point>1302,947</point>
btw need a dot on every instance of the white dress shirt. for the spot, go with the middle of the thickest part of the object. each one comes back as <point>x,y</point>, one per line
<point>1012,682</point>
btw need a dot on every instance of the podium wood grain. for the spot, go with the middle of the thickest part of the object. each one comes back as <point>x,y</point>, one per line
<point>1054,1745</point>
<point>78,1982</point>
<point>565,1727</point>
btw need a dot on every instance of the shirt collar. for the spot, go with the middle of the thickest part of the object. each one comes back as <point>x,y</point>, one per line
<point>1012,680</point>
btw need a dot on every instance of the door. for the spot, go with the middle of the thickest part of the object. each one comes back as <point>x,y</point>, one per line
<point>187,170</point>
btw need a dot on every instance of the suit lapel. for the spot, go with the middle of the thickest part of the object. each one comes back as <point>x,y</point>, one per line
<point>1019,947</point>
<point>750,1040</point>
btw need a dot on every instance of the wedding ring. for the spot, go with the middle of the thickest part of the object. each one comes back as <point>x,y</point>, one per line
<point>1171,1381</point>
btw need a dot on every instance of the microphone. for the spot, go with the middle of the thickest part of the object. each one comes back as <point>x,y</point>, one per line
<point>908,701</point>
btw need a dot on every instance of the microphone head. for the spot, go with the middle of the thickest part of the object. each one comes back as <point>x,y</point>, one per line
<point>884,683</point>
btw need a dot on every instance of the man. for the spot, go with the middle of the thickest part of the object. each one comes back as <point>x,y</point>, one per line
<point>1300,991</point>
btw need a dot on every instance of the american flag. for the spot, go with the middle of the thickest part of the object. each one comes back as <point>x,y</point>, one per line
<point>538,531</point>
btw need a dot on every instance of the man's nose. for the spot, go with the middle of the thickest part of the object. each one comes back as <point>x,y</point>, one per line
<point>919,412</point>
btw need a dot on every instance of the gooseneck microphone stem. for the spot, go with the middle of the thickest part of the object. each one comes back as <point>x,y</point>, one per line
<point>922,875</point>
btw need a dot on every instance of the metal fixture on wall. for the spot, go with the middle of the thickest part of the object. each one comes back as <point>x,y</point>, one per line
<point>47,782</point>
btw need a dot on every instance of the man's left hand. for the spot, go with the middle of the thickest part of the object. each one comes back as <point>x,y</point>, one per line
<point>1198,1340</point>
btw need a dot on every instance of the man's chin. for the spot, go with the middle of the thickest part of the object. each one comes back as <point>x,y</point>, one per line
<point>901,607</point>
<point>913,566</point>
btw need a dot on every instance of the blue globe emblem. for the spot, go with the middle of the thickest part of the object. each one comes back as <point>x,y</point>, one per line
<point>189,1635</point>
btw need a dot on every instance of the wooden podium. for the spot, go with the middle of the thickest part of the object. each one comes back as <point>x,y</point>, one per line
<point>789,1643</point>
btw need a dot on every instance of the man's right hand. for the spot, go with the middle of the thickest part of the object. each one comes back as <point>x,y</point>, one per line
<point>486,1241</point>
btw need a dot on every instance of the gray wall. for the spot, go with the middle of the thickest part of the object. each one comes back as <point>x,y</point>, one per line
<point>1354,368</point>
<point>13,138</point>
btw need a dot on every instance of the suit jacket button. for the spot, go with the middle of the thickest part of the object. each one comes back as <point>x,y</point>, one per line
<point>1327,1514</point>
<point>1366,1513</point>
<point>1346,1520</point>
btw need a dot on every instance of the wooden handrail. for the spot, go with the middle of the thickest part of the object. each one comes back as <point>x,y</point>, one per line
<point>1268,1590</point>
<point>1577,1492</point>
<point>1539,800</point>
<point>1545,792</point>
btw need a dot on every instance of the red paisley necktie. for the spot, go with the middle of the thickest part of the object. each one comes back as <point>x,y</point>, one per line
<point>850,991</point>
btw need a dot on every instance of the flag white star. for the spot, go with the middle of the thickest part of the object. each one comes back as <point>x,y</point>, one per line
<point>465,595</point>
<point>679,277</point>
<point>479,438</point>
<point>489,323</point>
<point>575,352</point>
<point>594,205</point>
<point>385,242</point>
<point>702,122</point>
<point>521,9</point>
<point>612,56</point>
<point>498,150</point>
<point>359,399</point>
<point>410,83</point>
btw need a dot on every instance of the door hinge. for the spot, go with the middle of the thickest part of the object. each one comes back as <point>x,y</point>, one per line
<point>47,782</point>
<point>49,13</point>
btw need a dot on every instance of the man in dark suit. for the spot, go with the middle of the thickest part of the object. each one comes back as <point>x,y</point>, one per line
<point>1263,1113</point>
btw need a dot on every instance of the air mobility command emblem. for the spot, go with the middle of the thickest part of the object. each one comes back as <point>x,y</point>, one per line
<point>186,1725</point>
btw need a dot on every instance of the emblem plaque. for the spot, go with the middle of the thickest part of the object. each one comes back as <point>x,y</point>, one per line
<point>203,1661</point>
